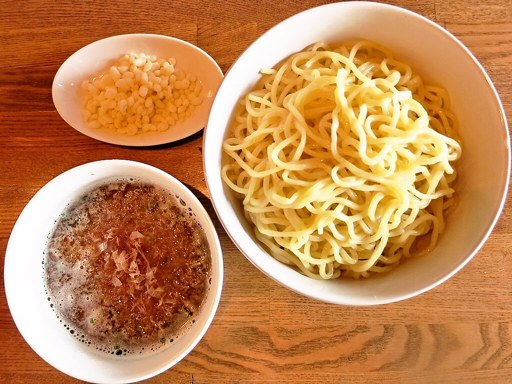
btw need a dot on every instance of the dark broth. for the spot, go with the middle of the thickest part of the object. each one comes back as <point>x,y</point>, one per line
<point>127,267</point>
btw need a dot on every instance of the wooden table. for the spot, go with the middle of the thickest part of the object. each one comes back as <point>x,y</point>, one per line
<point>460,332</point>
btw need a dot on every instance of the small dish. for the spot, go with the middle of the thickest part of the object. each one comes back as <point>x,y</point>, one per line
<point>25,282</point>
<point>94,58</point>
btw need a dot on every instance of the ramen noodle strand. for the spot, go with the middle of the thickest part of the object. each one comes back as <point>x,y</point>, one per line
<point>343,160</point>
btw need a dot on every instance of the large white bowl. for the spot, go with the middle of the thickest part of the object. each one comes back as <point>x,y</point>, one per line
<point>25,287</point>
<point>439,58</point>
<point>96,57</point>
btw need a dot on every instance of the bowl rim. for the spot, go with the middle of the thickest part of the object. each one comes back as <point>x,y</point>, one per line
<point>297,288</point>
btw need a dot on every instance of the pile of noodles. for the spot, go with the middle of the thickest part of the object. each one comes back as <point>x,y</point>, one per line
<point>343,159</point>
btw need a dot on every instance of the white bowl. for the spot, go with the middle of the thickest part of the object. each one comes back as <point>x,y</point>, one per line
<point>96,57</point>
<point>440,59</point>
<point>25,286</point>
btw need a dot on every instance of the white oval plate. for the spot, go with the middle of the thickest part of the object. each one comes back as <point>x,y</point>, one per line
<point>94,58</point>
<point>25,285</point>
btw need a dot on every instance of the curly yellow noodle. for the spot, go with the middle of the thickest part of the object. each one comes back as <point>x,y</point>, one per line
<point>343,160</point>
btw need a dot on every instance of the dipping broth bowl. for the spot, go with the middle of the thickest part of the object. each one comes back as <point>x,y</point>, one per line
<point>25,281</point>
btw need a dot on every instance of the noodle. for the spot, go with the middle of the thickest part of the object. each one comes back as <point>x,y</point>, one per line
<point>343,161</point>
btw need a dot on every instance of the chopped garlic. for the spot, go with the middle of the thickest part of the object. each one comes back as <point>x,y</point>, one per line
<point>140,93</point>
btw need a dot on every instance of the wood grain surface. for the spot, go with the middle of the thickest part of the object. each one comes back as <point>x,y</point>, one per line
<point>459,332</point>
